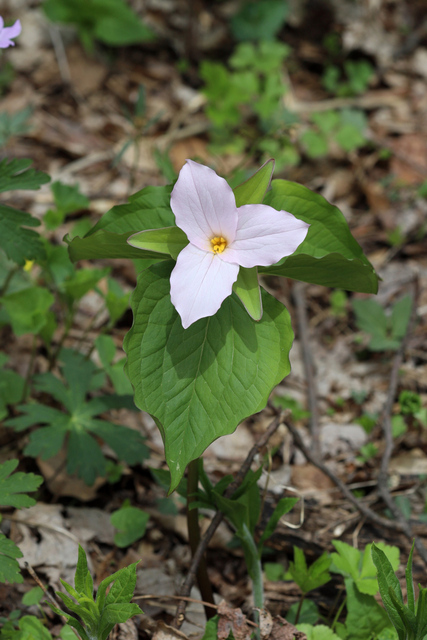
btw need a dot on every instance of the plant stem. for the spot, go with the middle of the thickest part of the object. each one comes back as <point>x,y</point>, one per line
<point>253,562</point>
<point>299,609</point>
<point>194,537</point>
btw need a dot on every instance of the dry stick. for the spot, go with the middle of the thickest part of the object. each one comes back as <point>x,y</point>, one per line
<point>216,521</point>
<point>388,436</point>
<point>366,511</point>
<point>300,302</point>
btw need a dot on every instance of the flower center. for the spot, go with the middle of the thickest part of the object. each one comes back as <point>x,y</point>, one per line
<point>218,244</point>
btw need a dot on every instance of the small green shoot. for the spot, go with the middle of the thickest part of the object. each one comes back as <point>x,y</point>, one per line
<point>386,331</point>
<point>97,617</point>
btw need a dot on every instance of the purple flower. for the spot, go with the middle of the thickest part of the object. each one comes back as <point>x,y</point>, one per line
<point>7,33</point>
<point>222,238</point>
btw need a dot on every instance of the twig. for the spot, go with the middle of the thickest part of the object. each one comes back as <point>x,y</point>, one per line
<point>300,302</point>
<point>216,521</point>
<point>366,511</point>
<point>388,436</point>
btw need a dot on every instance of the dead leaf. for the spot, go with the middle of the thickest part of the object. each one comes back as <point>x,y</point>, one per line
<point>284,630</point>
<point>232,620</point>
<point>265,623</point>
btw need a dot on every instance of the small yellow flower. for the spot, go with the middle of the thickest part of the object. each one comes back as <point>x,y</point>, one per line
<point>28,265</point>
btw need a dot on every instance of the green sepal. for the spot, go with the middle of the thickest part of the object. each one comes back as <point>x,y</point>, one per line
<point>169,240</point>
<point>247,290</point>
<point>105,244</point>
<point>253,190</point>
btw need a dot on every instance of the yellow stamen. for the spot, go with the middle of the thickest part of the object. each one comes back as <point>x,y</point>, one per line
<point>218,244</point>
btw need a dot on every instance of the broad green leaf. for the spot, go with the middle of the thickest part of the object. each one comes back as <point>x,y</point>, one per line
<point>308,612</point>
<point>147,209</point>
<point>248,291</point>
<point>18,242</point>
<point>169,240</point>
<point>83,281</point>
<point>329,255</point>
<point>199,383</point>
<point>346,561</point>
<point>400,317</point>
<point>16,174</point>
<point>365,616</point>
<point>33,596</point>
<point>319,632</point>
<point>12,387</point>
<point>386,580</point>
<point>131,523</point>
<point>15,486</point>
<point>421,614</point>
<point>68,198</point>
<point>253,190</point>
<point>107,351</point>
<point>28,309</point>
<point>9,567</point>
<point>106,244</point>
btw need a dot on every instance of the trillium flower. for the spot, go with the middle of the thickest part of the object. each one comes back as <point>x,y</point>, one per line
<point>222,239</point>
<point>7,33</point>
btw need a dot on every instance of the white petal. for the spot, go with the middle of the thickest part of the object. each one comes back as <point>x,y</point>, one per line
<point>264,236</point>
<point>204,205</point>
<point>200,282</point>
<point>9,32</point>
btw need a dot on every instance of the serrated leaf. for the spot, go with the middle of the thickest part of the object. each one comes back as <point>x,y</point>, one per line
<point>116,614</point>
<point>329,255</point>
<point>18,242</point>
<point>14,487</point>
<point>131,523</point>
<point>123,587</point>
<point>9,567</point>
<point>68,198</point>
<point>16,174</point>
<point>365,616</point>
<point>199,383</point>
<point>28,309</point>
<point>313,577</point>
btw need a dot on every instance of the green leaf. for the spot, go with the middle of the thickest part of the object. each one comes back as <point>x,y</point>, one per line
<point>408,617</point>
<point>254,189</point>
<point>421,614</point>
<point>32,629</point>
<point>283,506</point>
<point>33,596</point>
<point>329,255</point>
<point>365,616</point>
<point>147,209</point>
<point>28,309</point>
<point>83,281</point>
<point>400,316</point>
<point>308,613</point>
<point>199,383</point>
<point>169,240</point>
<point>15,174</point>
<point>107,350</point>
<point>248,291</point>
<point>81,572</point>
<point>13,488</point>
<point>319,632</point>
<point>259,21</point>
<point>386,580</point>
<point>313,577</point>
<point>131,523</point>
<point>116,614</point>
<point>19,244</point>
<point>9,567</point>
<point>124,585</point>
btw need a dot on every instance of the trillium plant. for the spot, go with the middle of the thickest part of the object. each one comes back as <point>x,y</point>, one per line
<point>208,343</point>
